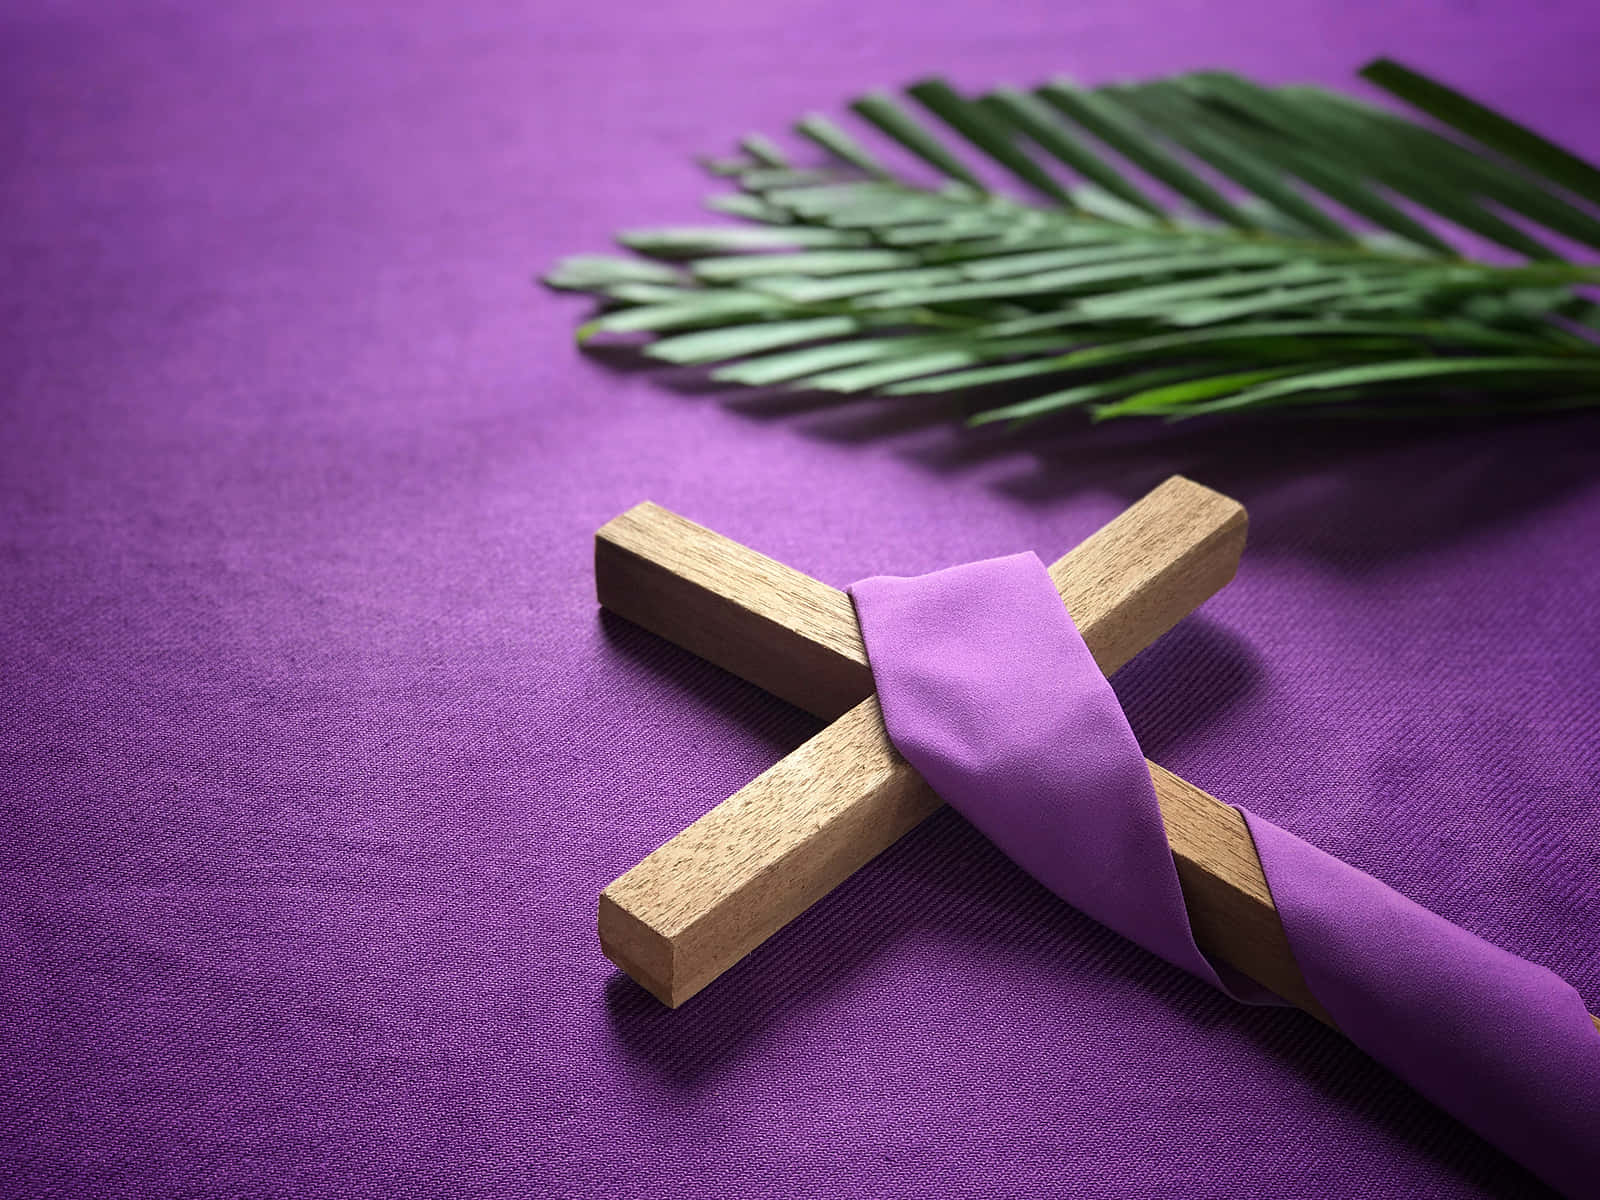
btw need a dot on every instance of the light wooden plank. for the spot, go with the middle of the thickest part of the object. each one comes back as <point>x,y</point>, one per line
<point>784,631</point>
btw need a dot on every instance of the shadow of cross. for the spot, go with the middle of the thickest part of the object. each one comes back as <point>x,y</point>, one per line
<point>712,894</point>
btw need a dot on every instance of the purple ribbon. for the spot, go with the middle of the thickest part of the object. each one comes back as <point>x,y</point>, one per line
<point>989,691</point>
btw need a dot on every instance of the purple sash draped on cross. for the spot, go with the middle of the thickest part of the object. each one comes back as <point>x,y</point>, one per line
<point>989,691</point>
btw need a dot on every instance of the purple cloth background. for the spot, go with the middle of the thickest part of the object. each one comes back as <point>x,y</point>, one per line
<point>314,752</point>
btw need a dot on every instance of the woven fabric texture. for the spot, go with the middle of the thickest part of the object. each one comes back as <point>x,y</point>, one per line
<point>314,751</point>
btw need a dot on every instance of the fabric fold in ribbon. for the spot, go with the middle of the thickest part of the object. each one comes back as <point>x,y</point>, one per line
<point>989,691</point>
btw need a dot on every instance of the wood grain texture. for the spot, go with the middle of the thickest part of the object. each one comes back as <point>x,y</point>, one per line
<point>779,628</point>
<point>710,895</point>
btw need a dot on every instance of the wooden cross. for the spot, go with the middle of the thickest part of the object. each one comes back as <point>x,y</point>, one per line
<point>716,891</point>
<point>701,902</point>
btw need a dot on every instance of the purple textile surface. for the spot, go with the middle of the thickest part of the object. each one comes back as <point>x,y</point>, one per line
<point>988,690</point>
<point>314,752</point>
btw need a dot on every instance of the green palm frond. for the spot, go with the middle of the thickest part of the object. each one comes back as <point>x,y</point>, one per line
<point>1187,245</point>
